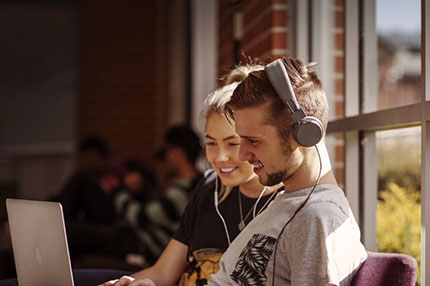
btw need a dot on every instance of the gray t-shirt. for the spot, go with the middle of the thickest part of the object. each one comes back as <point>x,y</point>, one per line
<point>320,245</point>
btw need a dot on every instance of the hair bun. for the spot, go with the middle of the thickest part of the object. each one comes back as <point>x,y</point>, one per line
<point>241,72</point>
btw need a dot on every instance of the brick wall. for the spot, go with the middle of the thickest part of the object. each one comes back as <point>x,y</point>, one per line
<point>225,37</point>
<point>339,60</point>
<point>122,93</point>
<point>339,86</point>
<point>264,31</point>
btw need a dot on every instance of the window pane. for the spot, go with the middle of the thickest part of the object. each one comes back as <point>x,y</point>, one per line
<point>336,148</point>
<point>327,50</point>
<point>399,191</point>
<point>393,77</point>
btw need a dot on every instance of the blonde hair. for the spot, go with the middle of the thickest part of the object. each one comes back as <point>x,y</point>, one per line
<point>217,100</point>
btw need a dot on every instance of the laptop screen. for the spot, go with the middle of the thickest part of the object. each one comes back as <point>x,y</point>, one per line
<point>39,242</point>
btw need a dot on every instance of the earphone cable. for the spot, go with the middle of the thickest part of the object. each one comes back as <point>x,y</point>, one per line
<point>295,213</point>
<point>258,200</point>
<point>218,212</point>
<point>265,204</point>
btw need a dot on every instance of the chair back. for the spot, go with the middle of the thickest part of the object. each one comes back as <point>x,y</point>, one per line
<point>387,269</point>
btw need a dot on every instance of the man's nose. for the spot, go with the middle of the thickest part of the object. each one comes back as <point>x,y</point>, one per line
<point>244,154</point>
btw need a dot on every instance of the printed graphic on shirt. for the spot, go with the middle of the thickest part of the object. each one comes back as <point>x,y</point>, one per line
<point>251,267</point>
<point>203,263</point>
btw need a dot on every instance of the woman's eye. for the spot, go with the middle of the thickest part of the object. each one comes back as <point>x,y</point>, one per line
<point>233,144</point>
<point>210,143</point>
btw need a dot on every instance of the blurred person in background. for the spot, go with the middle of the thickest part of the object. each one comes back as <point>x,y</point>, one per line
<point>154,221</point>
<point>85,195</point>
<point>87,203</point>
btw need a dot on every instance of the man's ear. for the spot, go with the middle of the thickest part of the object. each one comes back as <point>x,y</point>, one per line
<point>293,142</point>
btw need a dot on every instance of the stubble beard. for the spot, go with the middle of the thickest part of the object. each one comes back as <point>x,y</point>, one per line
<point>280,176</point>
<point>275,178</point>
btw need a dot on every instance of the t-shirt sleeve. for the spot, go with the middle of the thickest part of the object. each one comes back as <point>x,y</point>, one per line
<point>185,230</point>
<point>317,244</point>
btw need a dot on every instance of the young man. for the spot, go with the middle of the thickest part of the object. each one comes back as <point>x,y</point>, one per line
<point>308,235</point>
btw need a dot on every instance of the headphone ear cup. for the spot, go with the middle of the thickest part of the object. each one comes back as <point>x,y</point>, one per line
<point>308,132</point>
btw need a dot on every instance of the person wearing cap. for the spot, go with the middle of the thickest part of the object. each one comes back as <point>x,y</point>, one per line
<point>156,221</point>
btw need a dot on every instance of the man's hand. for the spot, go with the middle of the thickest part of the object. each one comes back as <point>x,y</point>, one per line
<point>129,281</point>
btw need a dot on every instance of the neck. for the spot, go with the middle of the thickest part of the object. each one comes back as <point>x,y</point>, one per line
<point>308,171</point>
<point>252,188</point>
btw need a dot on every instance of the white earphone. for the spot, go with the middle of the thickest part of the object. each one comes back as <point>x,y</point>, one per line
<point>218,212</point>
<point>216,203</point>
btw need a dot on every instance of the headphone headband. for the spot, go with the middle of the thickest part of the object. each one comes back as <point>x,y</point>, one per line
<point>278,77</point>
<point>307,130</point>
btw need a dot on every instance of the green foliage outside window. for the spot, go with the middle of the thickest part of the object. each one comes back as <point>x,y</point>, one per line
<point>399,222</point>
<point>399,198</point>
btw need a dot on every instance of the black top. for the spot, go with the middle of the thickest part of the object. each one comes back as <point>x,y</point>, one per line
<point>201,227</point>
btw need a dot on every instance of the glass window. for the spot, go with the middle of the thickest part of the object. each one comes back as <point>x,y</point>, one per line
<point>327,51</point>
<point>336,147</point>
<point>395,38</point>
<point>374,58</point>
<point>399,191</point>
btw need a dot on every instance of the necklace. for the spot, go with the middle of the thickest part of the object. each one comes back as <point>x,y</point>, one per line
<point>242,222</point>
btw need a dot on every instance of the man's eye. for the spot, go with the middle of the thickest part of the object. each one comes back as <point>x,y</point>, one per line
<point>252,141</point>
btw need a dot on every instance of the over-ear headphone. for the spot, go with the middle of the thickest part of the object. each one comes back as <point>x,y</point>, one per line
<point>307,130</point>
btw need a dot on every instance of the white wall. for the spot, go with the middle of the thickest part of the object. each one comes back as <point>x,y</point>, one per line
<point>204,40</point>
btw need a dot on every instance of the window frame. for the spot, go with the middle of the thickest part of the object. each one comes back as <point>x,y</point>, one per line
<point>360,170</point>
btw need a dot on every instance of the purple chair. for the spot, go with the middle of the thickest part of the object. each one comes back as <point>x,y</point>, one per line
<point>387,269</point>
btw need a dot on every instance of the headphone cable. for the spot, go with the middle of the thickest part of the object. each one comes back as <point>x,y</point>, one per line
<point>295,213</point>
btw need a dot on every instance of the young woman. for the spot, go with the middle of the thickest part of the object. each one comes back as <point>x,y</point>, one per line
<point>223,203</point>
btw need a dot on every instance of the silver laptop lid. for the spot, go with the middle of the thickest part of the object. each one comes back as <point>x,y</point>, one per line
<point>39,242</point>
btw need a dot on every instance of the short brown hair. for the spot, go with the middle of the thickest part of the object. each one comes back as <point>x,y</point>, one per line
<point>256,90</point>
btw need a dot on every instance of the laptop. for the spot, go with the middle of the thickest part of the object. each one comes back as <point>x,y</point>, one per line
<point>39,242</point>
